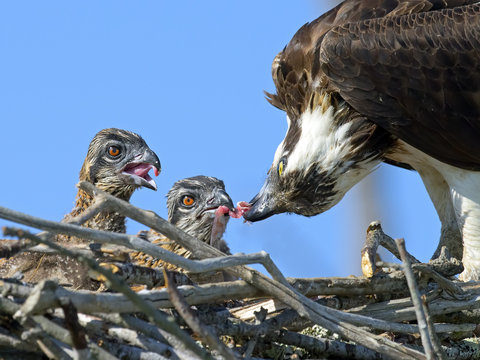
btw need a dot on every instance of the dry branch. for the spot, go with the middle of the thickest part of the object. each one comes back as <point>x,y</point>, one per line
<point>77,332</point>
<point>151,278</point>
<point>428,336</point>
<point>209,337</point>
<point>108,316</point>
<point>323,347</point>
<point>157,317</point>
<point>325,317</point>
<point>307,308</point>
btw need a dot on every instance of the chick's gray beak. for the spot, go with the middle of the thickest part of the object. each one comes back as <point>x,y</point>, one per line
<point>136,171</point>
<point>151,158</point>
<point>220,198</point>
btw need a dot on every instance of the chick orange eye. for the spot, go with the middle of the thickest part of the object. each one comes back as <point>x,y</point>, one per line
<point>114,151</point>
<point>188,200</point>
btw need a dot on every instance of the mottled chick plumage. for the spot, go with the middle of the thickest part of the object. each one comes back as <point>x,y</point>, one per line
<point>118,162</point>
<point>192,204</point>
<point>118,174</point>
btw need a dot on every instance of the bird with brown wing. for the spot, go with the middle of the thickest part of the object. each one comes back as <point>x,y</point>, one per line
<point>117,162</point>
<point>376,81</point>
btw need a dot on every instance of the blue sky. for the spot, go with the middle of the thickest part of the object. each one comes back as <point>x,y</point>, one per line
<point>189,77</point>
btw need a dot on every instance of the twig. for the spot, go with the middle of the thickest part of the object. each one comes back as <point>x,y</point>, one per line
<point>417,302</point>
<point>99,328</point>
<point>157,317</point>
<point>77,332</point>
<point>402,309</point>
<point>323,347</point>
<point>388,243</point>
<point>51,349</point>
<point>193,322</point>
<point>134,274</point>
<point>228,328</point>
<point>12,247</point>
<point>344,324</point>
<point>447,285</point>
<point>52,329</point>
<point>91,301</point>
<point>34,335</point>
<point>351,286</point>
<point>130,352</point>
<point>11,341</point>
<point>219,262</point>
<point>260,317</point>
<point>437,348</point>
<point>150,331</point>
<point>325,317</point>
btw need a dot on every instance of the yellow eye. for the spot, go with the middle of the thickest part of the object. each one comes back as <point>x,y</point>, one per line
<point>113,151</point>
<point>188,200</point>
<point>280,168</point>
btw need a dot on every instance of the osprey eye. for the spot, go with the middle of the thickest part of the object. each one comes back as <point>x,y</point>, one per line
<point>113,151</point>
<point>188,200</point>
<point>280,166</point>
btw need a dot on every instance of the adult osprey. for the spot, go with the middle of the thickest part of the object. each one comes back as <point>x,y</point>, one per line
<point>382,80</point>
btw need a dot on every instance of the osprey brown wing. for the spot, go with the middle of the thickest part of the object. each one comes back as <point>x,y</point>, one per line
<point>416,75</point>
<point>298,63</point>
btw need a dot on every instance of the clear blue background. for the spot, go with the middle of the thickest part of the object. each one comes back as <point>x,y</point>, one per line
<point>189,77</point>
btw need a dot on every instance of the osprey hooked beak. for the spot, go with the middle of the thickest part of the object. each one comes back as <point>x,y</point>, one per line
<point>262,205</point>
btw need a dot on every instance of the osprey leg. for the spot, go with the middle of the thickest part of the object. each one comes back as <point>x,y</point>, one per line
<point>466,201</point>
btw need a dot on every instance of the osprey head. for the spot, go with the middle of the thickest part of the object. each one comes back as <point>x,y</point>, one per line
<point>328,147</point>
<point>327,150</point>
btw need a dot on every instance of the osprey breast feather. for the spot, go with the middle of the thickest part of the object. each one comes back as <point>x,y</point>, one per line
<point>376,80</point>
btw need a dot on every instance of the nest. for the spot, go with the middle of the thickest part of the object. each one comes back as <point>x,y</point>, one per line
<point>408,310</point>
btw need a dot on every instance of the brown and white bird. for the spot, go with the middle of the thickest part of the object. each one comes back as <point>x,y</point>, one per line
<point>118,162</point>
<point>201,207</point>
<point>382,80</point>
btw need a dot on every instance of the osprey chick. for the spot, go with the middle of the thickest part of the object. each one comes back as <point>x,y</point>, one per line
<point>382,80</point>
<point>118,162</point>
<point>201,207</point>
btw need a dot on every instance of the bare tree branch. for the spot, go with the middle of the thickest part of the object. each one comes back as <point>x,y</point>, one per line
<point>77,332</point>
<point>304,306</point>
<point>427,337</point>
<point>108,317</point>
<point>194,323</point>
<point>158,318</point>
